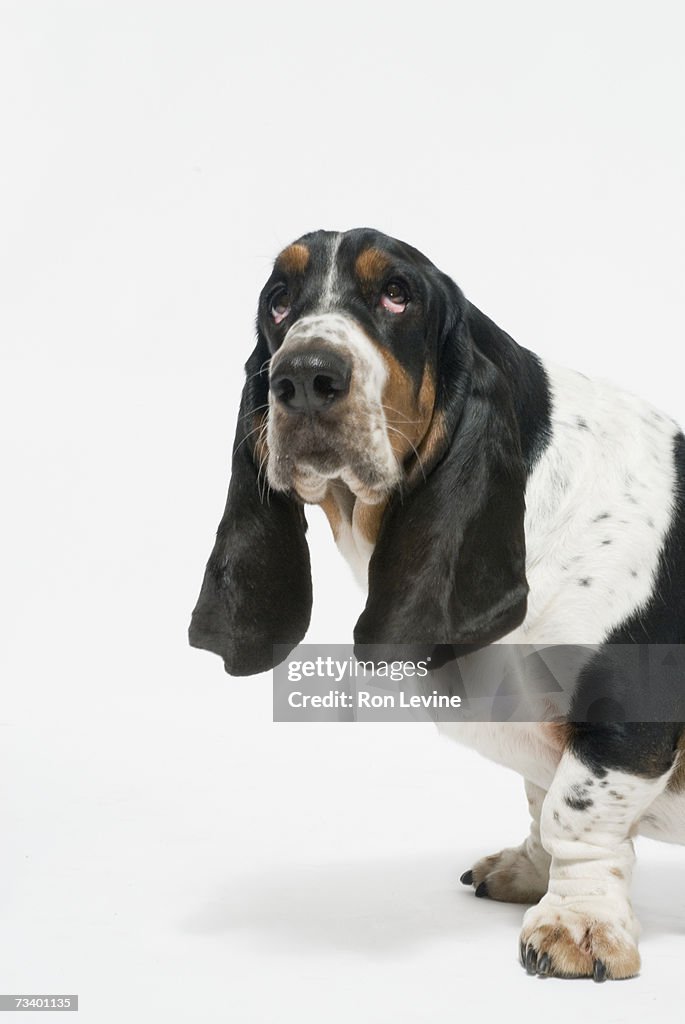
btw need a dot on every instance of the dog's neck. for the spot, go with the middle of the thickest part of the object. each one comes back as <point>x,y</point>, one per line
<point>354,524</point>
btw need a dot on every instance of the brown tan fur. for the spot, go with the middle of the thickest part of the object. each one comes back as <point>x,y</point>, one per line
<point>408,413</point>
<point>370,266</point>
<point>340,505</point>
<point>433,443</point>
<point>367,519</point>
<point>294,259</point>
<point>333,512</point>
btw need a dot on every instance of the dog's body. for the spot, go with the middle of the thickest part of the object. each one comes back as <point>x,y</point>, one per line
<point>601,506</point>
<point>485,496</point>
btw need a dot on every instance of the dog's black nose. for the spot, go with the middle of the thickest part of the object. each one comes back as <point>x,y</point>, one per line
<point>310,380</point>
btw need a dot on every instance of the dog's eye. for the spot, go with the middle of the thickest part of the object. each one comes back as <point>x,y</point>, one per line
<point>394,298</point>
<point>280,307</point>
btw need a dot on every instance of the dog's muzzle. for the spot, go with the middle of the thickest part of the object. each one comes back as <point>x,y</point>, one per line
<point>326,416</point>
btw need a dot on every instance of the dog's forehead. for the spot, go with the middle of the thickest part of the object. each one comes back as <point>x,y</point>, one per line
<point>364,254</point>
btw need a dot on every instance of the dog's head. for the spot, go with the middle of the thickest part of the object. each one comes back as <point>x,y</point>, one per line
<point>368,393</point>
<point>353,324</point>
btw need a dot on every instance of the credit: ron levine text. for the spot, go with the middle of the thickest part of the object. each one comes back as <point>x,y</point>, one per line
<point>364,699</point>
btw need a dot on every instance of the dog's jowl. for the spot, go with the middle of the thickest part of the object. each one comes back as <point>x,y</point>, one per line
<point>481,495</point>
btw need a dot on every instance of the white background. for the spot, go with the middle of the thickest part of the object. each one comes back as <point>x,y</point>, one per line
<point>165,846</point>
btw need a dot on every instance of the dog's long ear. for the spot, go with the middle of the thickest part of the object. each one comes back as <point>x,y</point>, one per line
<point>257,588</point>
<point>449,563</point>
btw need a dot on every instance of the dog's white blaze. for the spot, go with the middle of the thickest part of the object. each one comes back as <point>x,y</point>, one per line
<point>329,294</point>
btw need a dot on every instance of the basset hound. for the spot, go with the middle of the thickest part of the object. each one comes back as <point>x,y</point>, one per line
<point>480,493</point>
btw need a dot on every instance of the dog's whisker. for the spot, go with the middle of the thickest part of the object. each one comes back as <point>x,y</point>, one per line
<point>405,418</point>
<point>418,457</point>
<point>260,371</point>
<point>247,437</point>
<point>264,492</point>
<point>253,412</point>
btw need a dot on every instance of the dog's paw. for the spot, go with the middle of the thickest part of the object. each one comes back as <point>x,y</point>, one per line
<point>510,876</point>
<point>580,940</point>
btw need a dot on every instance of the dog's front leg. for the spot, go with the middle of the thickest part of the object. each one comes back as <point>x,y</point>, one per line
<point>518,874</point>
<point>584,925</point>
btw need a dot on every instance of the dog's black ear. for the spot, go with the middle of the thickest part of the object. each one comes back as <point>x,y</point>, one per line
<point>257,588</point>
<point>449,563</point>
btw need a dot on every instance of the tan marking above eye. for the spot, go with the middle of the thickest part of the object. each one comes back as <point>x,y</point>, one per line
<point>294,259</point>
<point>371,264</point>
